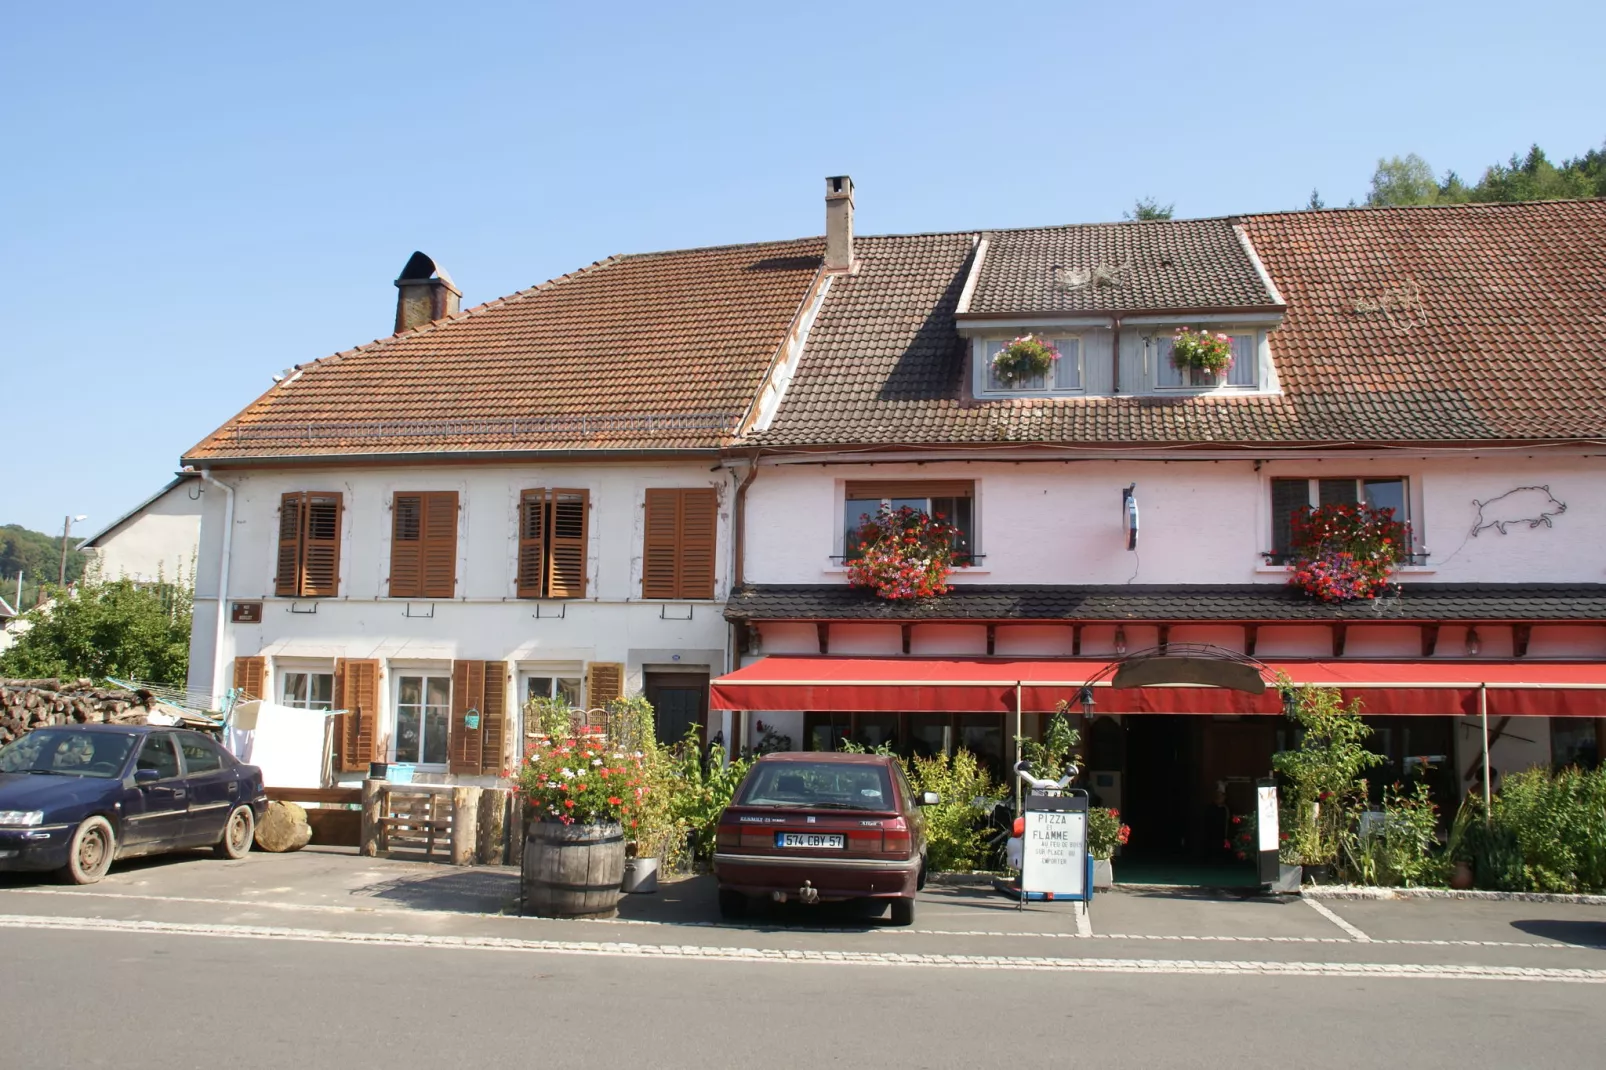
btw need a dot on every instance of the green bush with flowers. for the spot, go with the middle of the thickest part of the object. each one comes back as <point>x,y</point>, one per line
<point>1202,351</point>
<point>1026,357</point>
<point>583,780</point>
<point>1105,832</point>
<point>1345,552</point>
<point>903,553</point>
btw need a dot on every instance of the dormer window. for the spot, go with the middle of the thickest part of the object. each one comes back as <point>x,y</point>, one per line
<point>1243,374</point>
<point>1065,378</point>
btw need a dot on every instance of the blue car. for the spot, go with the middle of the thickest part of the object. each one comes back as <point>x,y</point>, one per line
<point>75,799</point>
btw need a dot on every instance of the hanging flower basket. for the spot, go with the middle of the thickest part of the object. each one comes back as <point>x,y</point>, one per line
<point>903,554</point>
<point>1201,351</point>
<point>1346,552</point>
<point>1027,357</point>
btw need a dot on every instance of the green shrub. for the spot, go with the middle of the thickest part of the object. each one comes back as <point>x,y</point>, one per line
<point>699,789</point>
<point>1558,823</point>
<point>955,836</point>
<point>1402,848</point>
<point>1323,774</point>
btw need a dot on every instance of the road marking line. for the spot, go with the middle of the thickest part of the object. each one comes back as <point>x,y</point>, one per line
<point>1354,933</point>
<point>1084,922</point>
<point>849,958</point>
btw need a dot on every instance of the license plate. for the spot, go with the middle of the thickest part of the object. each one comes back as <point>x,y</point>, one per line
<point>811,839</point>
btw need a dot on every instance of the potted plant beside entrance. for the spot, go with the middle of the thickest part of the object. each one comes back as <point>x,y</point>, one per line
<point>583,792</point>
<point>1322,779</point>
<point>1105,834</point>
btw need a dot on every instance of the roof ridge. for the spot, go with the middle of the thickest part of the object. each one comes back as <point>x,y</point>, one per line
<point>1459,205</point>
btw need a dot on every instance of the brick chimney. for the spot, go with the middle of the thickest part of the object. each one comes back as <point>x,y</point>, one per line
<point>839,224</point>
<point>425,293</point>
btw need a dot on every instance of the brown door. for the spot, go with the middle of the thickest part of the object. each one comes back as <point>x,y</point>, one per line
<point>679,702</point>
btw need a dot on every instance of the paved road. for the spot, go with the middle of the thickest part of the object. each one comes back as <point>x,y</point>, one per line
<point>316,961</point>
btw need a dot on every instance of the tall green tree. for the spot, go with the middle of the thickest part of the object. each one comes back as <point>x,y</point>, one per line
<point>1149,208</point>
<point>100,629</point>
<point>1533,177</point>
<point>1403,180</point>
<point>38,557</point>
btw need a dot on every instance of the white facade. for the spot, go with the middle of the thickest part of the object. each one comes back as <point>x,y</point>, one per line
<point>158,541</point>
<point>485,620</point>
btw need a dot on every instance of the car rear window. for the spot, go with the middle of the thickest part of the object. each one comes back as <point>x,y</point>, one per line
<point>823,785</point>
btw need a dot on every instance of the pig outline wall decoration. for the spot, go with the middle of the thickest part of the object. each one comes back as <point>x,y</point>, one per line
<point>1550,507</point>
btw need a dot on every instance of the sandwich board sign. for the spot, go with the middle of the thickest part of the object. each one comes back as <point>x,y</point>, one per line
<point>1054,859</point>
<point>1267,835</point>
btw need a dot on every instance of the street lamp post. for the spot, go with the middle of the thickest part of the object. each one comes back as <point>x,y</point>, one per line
<point>66,530</point>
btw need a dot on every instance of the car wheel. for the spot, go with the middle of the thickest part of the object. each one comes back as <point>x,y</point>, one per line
<point>920,881</point>
<point>237,834</point>
<point>903,911</point>
<point>732,904</point>
<point>90,854</point>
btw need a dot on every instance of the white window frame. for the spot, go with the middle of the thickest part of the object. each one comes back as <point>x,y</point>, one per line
<point>841,557</point>
<point>1073,354</point>
<point>1411,497</point>
<point>424,675</point>
<point>553,671</point>
<point>284,672</point>
<point>1156,363</point>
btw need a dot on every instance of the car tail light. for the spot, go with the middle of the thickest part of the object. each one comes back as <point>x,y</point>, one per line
<point>895,836</point>
<point>728,836</point>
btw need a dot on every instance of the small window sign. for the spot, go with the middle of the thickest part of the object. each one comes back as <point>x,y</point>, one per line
<point>245,612</point>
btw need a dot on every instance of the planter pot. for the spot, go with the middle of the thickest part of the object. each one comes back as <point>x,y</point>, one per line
<point>1461,878</point>
<point>641,876</point>
<point>572,871</point>
<point>1319,874</point>
<point>1288,878</point>
<point>1103,873</point>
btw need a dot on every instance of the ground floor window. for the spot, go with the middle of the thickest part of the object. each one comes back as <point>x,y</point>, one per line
<point>1574,741</point>
<point>915,735</point>
<point>567,688</point>
<point>307,690</point>
<point>423,719</point>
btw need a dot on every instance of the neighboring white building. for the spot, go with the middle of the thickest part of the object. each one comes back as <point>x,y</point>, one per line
<point>156,541</point>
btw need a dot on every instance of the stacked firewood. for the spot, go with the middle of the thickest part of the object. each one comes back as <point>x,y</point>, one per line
<point>29,704</point>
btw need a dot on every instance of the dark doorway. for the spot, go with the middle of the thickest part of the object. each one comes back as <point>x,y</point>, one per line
<point>1159,786</point>
<point>679,702</point>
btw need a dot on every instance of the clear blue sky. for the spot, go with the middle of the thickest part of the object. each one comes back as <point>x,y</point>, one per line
<point>195,196</point>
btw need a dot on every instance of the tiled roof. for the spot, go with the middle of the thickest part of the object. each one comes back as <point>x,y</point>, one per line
<point>1259,602</point>
<point>652,351</point>
<point>1115,267</point>
<point>1464,323</point>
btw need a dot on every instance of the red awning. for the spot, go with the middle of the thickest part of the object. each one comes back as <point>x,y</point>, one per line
<point>988,685</point>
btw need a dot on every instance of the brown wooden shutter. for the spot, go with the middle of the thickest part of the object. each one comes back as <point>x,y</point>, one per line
<point>248,677</point>
<point>532,544</point>
<point>468,693</point>
<point>357,692</point>
<point>875,489</point>
<point>660,556</point>
<point>320,546</point>
<point>699,523</point>
<point>566,544</point>
<point>440,544</point>
<point>287,579</point>
<point>407,546</point>
<point>605,681</point>
<point>493,719</point>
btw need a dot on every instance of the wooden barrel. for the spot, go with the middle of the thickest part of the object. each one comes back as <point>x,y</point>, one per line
<point>573,871</point>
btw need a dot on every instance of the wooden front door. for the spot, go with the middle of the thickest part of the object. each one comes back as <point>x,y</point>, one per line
<point>679,701</point>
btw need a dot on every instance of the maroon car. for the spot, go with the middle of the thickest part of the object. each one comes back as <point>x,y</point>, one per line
<point>822,828</point>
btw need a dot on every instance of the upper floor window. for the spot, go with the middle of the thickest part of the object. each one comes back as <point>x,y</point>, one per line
<point>677,560</point>
<point>552,543</point>
<point>309,545</point>
<point>1288,496</point>
<point>1065,377</point>
<point>423,545</point>
<point>949,500</point>
<point>1243,373</point>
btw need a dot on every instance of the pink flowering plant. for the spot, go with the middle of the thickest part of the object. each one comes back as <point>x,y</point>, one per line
<point>903,553</point>
<point>1026,357</point>
<point>583,779</point>
<point>1201,350</point>
<point>1346,552</point>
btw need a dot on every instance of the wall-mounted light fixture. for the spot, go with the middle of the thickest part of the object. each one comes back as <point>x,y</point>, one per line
<point>1472,643</point>
<point>1290,702</point>
<point>1120,640</point>
<point>1086,699</point>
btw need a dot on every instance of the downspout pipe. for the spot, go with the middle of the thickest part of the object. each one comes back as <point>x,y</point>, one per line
<point>739,523</point>
<point>222,581</point>
<point>1115,354</point>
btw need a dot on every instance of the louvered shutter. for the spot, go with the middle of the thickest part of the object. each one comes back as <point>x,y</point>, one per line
<point>532,544</point>
<point>660,556</point>
<point>468,693</point>
<point>566,544</point>
<point>320,546</point>
<point>407,546</point>
<point>605,681</point>
<point>493,719</point>
<point>287,578</point>
<point>440,544</point>
<point>357,692</point>
<point>699,517</point>
<point>248,677</point>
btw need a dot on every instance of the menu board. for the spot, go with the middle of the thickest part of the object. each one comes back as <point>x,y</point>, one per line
<point>1054,853</point>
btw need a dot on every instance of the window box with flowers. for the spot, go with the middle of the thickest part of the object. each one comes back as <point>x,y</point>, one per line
<point>903,553</point>
<point>1204,355</point>
<point>1346,552</point>
<point>1026,359</point>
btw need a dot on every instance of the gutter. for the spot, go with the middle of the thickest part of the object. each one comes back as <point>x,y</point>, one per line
<point>222,581</point>
<point>395,457</point>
